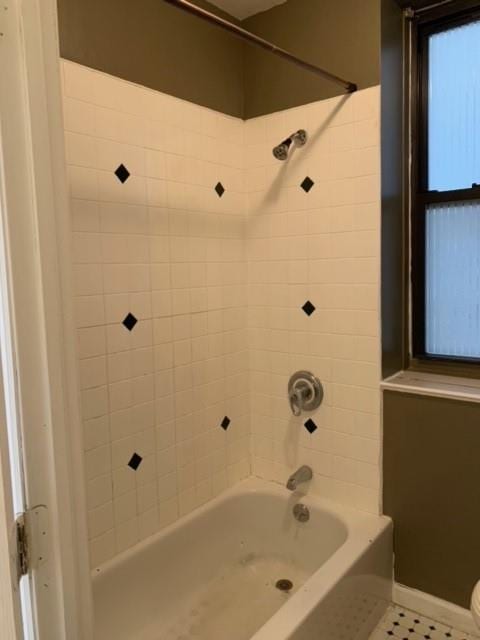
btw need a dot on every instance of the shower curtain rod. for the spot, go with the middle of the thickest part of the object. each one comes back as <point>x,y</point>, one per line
<point>187,6</point>
<point>411,12</point>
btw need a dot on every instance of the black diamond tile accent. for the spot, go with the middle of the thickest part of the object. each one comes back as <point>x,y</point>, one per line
<point>135,461</point>
<point>129,321</point>
<point>310,426</point>
<point>122,173</point>
<point>307,184</point>
<point>225,423</point>
<point>220,189</point>
<point>308,307</point>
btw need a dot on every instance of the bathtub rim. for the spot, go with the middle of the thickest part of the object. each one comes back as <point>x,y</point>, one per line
<point>355,521</point>
<point>362,531</point>
<point>290,617</point>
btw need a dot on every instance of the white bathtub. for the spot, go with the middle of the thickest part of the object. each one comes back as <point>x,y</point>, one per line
<point>212,575</point>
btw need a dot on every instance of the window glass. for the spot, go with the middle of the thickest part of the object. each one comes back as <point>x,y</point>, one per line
<point>452,287</point>
<point>454,108</point>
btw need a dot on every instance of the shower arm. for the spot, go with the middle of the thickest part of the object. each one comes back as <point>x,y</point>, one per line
<point>189,7</point>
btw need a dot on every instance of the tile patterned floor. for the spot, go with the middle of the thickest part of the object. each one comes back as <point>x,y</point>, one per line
<point>402,624</point>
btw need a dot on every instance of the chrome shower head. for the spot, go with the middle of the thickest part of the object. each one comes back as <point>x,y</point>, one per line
<point>298,138</point>
<point>281,151</point>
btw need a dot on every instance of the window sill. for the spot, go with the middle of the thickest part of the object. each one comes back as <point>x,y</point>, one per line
<point>430,384</point>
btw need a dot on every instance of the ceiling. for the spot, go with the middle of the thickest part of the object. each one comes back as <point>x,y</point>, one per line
<point>243,8</point>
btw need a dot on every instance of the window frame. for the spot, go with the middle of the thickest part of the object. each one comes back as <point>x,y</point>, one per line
<point>424,26</point>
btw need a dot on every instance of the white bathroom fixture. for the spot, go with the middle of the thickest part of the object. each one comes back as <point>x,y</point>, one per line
<point>243,563</point>
<point>475,604</point>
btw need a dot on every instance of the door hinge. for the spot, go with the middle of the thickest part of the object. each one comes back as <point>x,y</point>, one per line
<point>30,539</point>
<point>22,545</point>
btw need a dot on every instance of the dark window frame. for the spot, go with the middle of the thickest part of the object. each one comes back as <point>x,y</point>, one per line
<point>435,21</point>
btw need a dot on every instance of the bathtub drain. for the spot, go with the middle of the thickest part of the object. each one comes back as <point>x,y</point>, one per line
<point>284,584</point>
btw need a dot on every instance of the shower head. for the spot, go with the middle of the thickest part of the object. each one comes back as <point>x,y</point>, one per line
<point>298,139</point>
<point>281,151</point>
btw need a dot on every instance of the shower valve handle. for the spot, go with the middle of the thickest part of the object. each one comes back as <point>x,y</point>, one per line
<point>299,395</point>
<point>305,392</point>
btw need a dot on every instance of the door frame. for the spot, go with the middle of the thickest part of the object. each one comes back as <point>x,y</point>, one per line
<point>10,608</point>
<point>37,248</point>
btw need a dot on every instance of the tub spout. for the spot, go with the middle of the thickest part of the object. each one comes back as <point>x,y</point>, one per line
<point>303,474</point>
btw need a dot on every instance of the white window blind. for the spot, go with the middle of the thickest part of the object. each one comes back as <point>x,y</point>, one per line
<point>452,313</point>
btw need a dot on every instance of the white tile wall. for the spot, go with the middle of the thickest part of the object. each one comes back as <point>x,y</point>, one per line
<point>217,286</point>
<point>321,246</point>
<point>166,248</point>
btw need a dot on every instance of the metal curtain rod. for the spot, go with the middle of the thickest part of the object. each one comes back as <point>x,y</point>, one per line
<point>187,6</point>
<point>411,12</point>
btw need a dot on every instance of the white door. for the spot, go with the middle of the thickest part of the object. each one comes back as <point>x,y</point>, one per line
<point>10,605</point>
<point>41,468</point>
<point>22,529</point>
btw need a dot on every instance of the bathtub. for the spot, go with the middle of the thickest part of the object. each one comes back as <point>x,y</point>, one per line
<point>213,574</point>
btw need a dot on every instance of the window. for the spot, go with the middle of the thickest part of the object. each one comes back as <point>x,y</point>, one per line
<point>446,192</point>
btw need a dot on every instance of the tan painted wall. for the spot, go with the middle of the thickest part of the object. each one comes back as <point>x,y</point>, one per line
<point>154,44</point>
<point>432,492</point>
<point>431,471</point>
<point>158,46</point>
<point>340,36</point>
<point>393,286</point>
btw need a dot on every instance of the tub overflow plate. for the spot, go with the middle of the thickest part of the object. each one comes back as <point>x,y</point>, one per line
<point>301,512</point>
